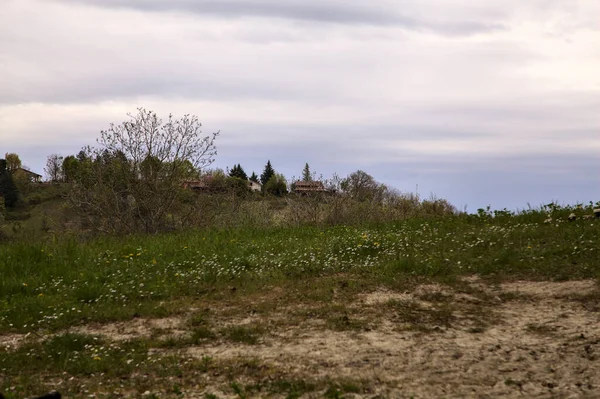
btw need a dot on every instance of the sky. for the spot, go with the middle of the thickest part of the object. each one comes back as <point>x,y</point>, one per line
<point>493,102</point>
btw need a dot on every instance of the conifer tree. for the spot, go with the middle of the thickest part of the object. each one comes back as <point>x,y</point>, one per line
<point>306,176</point>
<point>267,173</point>
<point>254,177</point>
<point>238,171</point>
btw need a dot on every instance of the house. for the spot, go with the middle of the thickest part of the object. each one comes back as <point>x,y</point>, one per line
<point>217,183</point>
<point>197,185</point>
<point>29,175</point>
<point>254,186</point>
<point>308,187</point>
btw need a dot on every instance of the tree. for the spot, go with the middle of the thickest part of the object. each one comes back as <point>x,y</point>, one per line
<point>8,189</point>
<point>361,186</point>
<point>54,168</point>
<point>133,181</point>
<point>254,177</point>
<point>13,162</point>
<point>267,173</point>
<point>70,168</point>
<point>277,185</point>
<point>238,171</point>
<point>306,175</point>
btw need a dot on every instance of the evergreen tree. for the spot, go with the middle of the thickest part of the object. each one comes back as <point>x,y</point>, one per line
<point>238,171</point>
<point>267,173</point>
<point>306,176</point>
<point>254,177</point>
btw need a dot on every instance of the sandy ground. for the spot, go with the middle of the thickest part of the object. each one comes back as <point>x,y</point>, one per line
<point>518,339</point>
<point>542,344</point>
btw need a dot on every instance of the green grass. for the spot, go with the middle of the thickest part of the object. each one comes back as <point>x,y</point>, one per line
<point>53,284</point>
<point>50,285</point>
<point>75,354</point>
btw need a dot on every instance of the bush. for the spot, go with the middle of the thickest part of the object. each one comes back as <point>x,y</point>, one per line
<point>277,185</point>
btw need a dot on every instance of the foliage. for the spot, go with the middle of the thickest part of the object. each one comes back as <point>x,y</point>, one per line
<point>134,181</point>
<point>362,186</point>
<point>8,189</point>
<point>277,185</point>
<point>219,182</point>
<point>238,171</point>
<point>267,173</point>
<point>70,168</point>
<point>22,182</point>
<point>13,162</point>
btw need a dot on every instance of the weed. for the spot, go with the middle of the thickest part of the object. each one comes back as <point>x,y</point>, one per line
<point>248,335</point>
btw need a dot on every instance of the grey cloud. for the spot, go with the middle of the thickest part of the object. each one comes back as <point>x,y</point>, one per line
<point>327,11</point>
<point>126,85</point>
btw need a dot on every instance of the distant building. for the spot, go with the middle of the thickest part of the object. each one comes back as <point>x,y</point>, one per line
<point>254,186</point>
<point>308,187</point>
<point>31,176</point>
<point>198,185</point>
<point>208,183</point>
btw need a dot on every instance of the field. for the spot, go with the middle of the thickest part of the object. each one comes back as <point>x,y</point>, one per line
<point>488,305</point>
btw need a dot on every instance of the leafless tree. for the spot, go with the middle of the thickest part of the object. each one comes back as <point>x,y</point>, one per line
<point>134,180</point>
<point>53,168</point>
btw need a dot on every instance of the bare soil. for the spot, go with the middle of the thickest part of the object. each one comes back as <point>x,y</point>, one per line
<point>472,340</point>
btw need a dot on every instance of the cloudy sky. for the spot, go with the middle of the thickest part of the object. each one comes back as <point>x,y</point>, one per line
<point>480,102</point>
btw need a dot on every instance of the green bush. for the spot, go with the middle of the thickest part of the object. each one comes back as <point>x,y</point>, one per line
<point>277,185</point>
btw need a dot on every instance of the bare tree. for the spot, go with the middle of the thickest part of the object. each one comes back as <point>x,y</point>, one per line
<point>362,186</point>
<point>53,169</point>
<point>134,180</point>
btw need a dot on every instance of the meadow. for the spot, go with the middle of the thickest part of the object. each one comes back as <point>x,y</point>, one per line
<point>56,295</point>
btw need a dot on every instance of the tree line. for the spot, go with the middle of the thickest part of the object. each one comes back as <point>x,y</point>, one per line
<point>133,180</point>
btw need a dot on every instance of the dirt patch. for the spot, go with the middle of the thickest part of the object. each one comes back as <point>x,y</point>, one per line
<point>476,340</point>
<point>137,328</point>
<point>384,296</point>
<point>545,289</point>
<point>545,348</point>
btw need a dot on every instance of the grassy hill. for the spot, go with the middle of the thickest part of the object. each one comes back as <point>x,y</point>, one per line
<point>180,312</point>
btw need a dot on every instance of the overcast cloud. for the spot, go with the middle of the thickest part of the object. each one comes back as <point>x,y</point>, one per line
<point>491,102</point>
